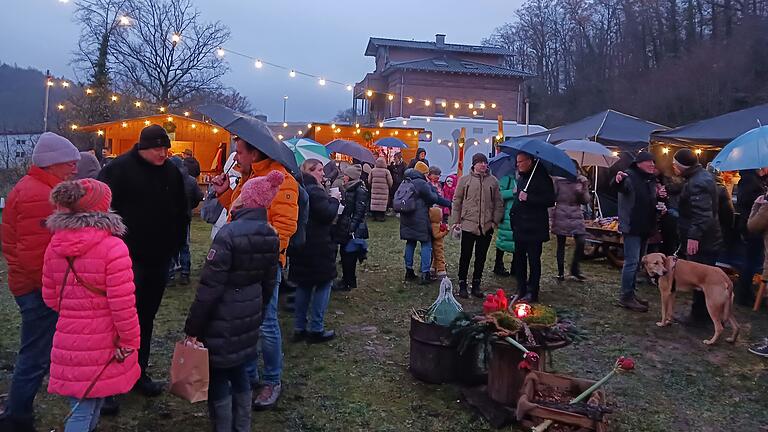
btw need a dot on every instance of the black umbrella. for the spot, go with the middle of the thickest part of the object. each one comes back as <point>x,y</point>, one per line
<point>351,149</point>
<point>254,131</point>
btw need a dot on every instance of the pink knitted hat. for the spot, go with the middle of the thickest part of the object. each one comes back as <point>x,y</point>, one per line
<point>260,191</point>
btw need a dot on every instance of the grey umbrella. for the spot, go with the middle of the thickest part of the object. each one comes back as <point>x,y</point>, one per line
<point>351,149</point>
<point>253,131</point>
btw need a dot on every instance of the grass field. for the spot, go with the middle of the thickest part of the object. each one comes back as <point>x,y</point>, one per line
<point>360,381</point>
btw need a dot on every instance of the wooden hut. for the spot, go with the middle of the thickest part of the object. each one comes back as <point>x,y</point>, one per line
<point>204,139</point>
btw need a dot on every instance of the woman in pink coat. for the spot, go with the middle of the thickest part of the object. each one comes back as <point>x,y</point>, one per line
<point>87,279</point>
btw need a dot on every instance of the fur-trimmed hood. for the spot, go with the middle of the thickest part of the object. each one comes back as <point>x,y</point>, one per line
<point>110,222</point>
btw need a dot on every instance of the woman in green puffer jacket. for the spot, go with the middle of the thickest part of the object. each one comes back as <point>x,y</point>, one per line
<point>504,240</point>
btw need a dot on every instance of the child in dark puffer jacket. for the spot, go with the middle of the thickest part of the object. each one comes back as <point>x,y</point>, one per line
<point>236,284</point>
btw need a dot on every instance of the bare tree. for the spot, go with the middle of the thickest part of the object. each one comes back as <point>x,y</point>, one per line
<point>169,54</point>
<point>229,97</point>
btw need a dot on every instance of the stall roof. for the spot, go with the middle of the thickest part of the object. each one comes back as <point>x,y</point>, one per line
<point>610,128</point>
<point>716,131</point>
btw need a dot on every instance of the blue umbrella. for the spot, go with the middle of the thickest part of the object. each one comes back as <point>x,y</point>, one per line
<point>351,149</point>
<point>555,160</point>
<point>502,165</point>
<point>391,142</point>
<point>748,151</point>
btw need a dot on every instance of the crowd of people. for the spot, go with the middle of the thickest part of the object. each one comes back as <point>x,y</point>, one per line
<point>92,248</point>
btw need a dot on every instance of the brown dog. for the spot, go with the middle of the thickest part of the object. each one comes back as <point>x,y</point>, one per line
<point>672,274</point>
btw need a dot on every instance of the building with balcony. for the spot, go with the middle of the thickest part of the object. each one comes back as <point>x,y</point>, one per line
<point>435,78</point>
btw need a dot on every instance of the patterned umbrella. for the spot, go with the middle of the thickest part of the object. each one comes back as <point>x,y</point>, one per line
<point>305,148</point>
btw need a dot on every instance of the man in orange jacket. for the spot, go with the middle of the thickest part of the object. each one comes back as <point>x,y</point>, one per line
<point>282,214</point>
<point>25,238</point>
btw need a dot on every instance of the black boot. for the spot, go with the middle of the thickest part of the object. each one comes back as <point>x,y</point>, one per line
<point>498,268</point>
<point>410,274</point>
<point>425,279</point>
<point>532,296</point>
<point>476,289</point>
<point>463,290</point>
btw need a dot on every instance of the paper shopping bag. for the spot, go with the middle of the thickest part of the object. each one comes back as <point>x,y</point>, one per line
<point>189,371</point>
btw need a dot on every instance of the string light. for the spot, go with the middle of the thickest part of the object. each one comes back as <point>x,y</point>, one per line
<point>215,130</point>
<point>349,87</point>
<point>471,106</point>
<point>428,120</point>
<point>390,97</point>
<point>381,124</point>
<point>450,116</point>
<point>162,109</point>
<point>169,118</point>
<point>300,132</point>
<point>615,153</point>
<point>285,125</point>
<point>493,105</point>
<point>377,132</point>
<point>175,38</point>
<point>474,113</point>
<point>317,128</point>
<point>220,52</point>
<point>369,93</point>
<point>665,150</point>
<point>443,104</point>
<point>338,130</point>
<point>456,105</point>
<point>410,100</point>
<point>487,141</point>
<point>100,132</point>
<point>65,84</point>
<point>114,98</point>
<point>357,125</point>
<point>321,81</point>
<point>439,140</point>
<point>89,91</point>
<point>258,64</point>
<point>405,122</point>
<point>124,124</point>
<point>60,107</point>
<point>292,73</point>
<point>333,125</point>
<point>50,83</point>
<point>309,125</point>
<point>73,127</point>
<point>698,151</point>
<point>427,103</point>
<point>138,104</point>
<point>194,126</point>
<point>186,113</point>
<point>147,122</point>
<point>124,20</point>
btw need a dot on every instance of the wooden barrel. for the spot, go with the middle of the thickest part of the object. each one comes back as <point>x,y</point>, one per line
<point>433,358</point>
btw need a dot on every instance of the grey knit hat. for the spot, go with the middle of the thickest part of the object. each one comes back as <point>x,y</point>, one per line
<point>88,166</point>
<point>52,149</point>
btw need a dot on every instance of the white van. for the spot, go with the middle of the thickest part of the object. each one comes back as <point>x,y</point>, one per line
<point>442,133</point>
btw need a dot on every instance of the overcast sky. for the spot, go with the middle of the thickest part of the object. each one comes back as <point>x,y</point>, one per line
<point>325,38</point>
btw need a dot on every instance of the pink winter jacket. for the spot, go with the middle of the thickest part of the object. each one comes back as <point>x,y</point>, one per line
<point>90,326</point>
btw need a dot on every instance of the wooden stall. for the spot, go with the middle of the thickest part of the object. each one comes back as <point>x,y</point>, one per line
<point>366,136</point>
<point>204,139</point>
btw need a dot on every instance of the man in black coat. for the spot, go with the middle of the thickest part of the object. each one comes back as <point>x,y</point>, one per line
<point>148,193</point>
<point>192,164</point>
<point>751,185</point>
<point>636,188</point>
<point>421,156</point>
<point>699,225</point>
<point>529,218</point>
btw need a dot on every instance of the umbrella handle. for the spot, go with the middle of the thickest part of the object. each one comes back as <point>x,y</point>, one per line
<point>525,189</point>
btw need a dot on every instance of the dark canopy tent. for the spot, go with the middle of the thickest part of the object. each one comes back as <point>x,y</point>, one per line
<point>717,131</point>
<point>610,128</point>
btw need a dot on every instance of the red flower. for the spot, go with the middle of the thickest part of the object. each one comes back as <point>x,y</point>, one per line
<point>529,359</point>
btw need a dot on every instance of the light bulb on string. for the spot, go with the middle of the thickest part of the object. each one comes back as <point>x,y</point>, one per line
<point>89,91</point>
<point>493,105</point>
<point>410,100</point>
<point>349,87</point>
<point>220,52</point>
<point>50,83</point>
<point>162,109</point>
<point>321,81</point>
<point>186,113</point>
<point>665,150</point>
<point>471,106</point>
<point>280,137</point>
<point>194,126</point>
<point>456,105</point>
<point>285,125</point>
<point>309,125</point>
<point>73,127</point>
<point>100,132</point>
<point>428,120</point>
<point>65,84</point>
<point>258,64</point>
<point>124,21</point>
<point>138,104</point>
<point>124,124</point>
<point>381,124</point>
<point>169,118</point>
<point>474,113</point>
<point>405,122</point>
<point>369,93</point>
<point>215,130</point>
<point>390,97</point>
<point>427,102</point>
<point>333,125</point>
<point>292,73</point>
<point>147,122</point>
<point>175,38</point>
<point>60,107</point>
<point>443,104</point>
<point>450,116</point>
<point>114,98</point>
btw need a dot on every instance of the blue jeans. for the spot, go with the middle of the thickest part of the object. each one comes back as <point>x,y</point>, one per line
<point>634,248</point>
<point>183,259</point>
<point>317,306</point>
<point>38,323</point>
<point>86,415</point>
<point>271,344</point>
<point>426,255</point>
<point>226,382</point>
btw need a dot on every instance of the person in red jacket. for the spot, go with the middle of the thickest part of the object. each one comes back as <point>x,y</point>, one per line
<point>24,239</point>
<point>87,279</point>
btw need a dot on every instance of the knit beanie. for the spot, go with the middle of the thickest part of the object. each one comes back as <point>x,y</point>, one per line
<point>478,158</point>
<point>643,156</point>
<point>52,149</point>
<point>421,167</point>
<point>82,196</point>
<point>260,191</point>
<point>434,169</point>
<point>686,158</point>
<point>88,166</point>
<point>152,137</point>
<point>353,172</point>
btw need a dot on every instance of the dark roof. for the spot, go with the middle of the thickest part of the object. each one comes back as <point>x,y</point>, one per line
<point>610,128</point>
<point>374,43</point>
<point>455,65</point>
<point>716,131</point>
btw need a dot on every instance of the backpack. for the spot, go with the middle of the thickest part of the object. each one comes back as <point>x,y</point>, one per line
<point>404,200</point>
<point>299,238</point>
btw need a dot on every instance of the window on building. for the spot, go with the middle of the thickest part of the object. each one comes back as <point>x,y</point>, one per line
<point>21,142</point>
<point>478,109</point>
<point>477,131</point>
<point>440,105</point>
<point>20,154</point>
